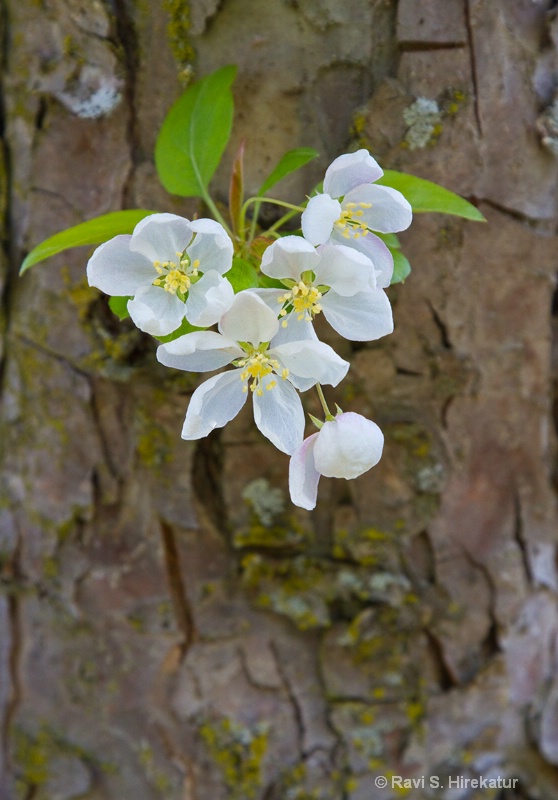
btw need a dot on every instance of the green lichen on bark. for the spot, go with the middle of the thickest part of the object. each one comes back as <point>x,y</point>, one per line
<point>178,32</point>
<point>238,752</point>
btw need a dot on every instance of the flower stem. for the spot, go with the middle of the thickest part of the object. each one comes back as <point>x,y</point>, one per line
<point>258,201</point>
<point>328,415</point>
<point>208,200</point>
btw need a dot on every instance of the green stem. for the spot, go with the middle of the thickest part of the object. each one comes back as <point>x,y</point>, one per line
<point>328,415</point>
<point>258,201</point>
<point>280,222</point>
<point>215,211</point>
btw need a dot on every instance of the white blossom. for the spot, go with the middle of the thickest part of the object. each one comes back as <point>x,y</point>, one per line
<point>171,268</point>
<point>268,365</point>
<point>351,207</point>
<point>345,447</point>
<point>333,279</point>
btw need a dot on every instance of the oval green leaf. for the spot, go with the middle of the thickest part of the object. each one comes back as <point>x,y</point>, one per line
<point>119,306</point>
<point>94,231</point>
<point>401,267</point>
<point>426,196</point>
<point>290,162</point>
<point>194,135</point>
<point>242,275</point>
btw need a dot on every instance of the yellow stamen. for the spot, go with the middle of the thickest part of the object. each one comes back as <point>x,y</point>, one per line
<point>176,276</point>
<point>304,301</point>
<point>349,223</point>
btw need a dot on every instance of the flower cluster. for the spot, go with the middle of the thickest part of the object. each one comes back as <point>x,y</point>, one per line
<point>173,269</point>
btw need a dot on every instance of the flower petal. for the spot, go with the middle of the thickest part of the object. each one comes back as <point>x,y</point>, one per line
<point>213,404</point>
<point>208,299</point>
<point>200,351</point>
<point>155,311</point>
<point>318,218</point>
<point>296,330</point>
<point>351,170</point>
<point>279,415</point>
<point>348,446</point>
<point>249,319</point>
<point>160,237</point>
<point>289,257</point>
<point>303,475</point>
<point>115,270</point>
<point>345,269</point>
<point>311,359</point>
<point>212,246</point>
<point>390,211</point>
<point>362,318</point>
<point>376,250</point>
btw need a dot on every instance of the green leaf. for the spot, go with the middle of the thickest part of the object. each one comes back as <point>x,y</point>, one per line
<point>119,306</point>
<point>242,275</point>
<point>401,267</point>
<point>390,239</point>
<point>184,328</point>
<point>194,135</point>
<point>427,196</point>
<point>290,162</point>
<point>94,231</point>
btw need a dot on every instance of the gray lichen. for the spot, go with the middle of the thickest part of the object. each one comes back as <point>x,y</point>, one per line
<point>424,119</point>
<point>266,501</point>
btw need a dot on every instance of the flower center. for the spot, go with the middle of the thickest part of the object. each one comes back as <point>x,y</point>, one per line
<point>303,299</point>
<point>256,367</point>
<point>176,276</point>
<point>350,224</point>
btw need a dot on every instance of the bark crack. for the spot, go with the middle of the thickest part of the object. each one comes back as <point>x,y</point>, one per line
<point>14,660</point>
<point>518,535</point>
<point>414,47</point>
<point>297,710</point>
<point>130,48</point>
<point>474,67</point>
<point>179,598</point>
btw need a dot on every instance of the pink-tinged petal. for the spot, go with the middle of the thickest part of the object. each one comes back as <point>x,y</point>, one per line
<point>376,250</point>
<point>351,170</point>
<point>364,317</point>
<point>249,319</point>
<point>212,246</point>
<point>344,269</point>
<point>279,415</point>
<point>348,446</point>
<point>318,218</point>
<point>303,475</point>
<point>289,257</point>
<point>200,351</point>
<point>160,237</point>
<point>213,404</point>
<point>208,299</point>
<point>313,360</point>
<point>155,311</point>
<point>115,270</point>
<point>389,212</point>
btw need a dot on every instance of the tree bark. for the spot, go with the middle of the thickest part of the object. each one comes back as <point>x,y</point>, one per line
<point>170,625</point>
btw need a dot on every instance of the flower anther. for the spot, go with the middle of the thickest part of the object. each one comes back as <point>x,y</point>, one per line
<point>303,299</point>
<point>350,224</point>
<point>258,366</point>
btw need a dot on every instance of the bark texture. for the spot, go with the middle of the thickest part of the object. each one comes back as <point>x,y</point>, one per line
<point>170,626</point>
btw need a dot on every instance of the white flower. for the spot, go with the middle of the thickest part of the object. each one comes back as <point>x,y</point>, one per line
<point>334,279</point>
<point>171,267</point>
<point>350,208</point>
<point>266,362</point>
<point>344,447</point>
